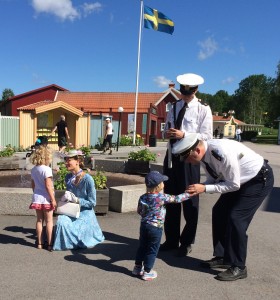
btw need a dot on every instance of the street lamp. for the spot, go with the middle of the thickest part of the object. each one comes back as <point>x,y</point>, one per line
<point>120,110</point>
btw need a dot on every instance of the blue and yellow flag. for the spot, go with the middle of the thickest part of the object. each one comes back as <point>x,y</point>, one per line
<point>158,21</point>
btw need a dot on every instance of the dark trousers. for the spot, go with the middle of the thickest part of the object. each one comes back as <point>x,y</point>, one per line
<point>180,177</point>
<point>149,242</point>
<point>231,217</point>
<point>108,140</point>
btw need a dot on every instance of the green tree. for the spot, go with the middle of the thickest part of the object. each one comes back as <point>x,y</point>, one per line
<point>6,94</point>
<point>273,111</point>
<point>252,98</point>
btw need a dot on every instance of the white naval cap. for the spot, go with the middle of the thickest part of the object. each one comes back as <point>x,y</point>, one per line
<point>107,119</point>
<point>190,79</point>
<point>186,144</point>
<point>189,83</point>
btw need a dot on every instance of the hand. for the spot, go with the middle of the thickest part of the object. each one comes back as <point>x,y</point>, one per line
<point>54,204</point>
<point>69,197</point>
<point>173,133</point>
<point>195,189</point>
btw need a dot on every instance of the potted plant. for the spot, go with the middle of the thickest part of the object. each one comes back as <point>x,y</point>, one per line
<point>139,161</point>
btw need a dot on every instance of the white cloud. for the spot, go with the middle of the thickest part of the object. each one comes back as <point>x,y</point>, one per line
<point>208,48</point>
<point>162,81</point>
<point>228,80</point>
<point>64,9</point>
<point>90,8</point>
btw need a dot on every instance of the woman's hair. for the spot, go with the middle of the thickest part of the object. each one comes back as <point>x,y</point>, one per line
<point>81,161</point>
<point>41,156</point>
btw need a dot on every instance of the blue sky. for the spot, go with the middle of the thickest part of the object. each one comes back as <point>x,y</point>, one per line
<point>93,45</point>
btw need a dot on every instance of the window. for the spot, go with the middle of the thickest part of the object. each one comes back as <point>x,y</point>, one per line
<point>168,106</point>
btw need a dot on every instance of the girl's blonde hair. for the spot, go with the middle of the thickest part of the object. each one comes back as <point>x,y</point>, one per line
<point>41,156</point>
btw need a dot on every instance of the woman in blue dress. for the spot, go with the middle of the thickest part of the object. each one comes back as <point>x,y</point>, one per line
<point>83,232</point>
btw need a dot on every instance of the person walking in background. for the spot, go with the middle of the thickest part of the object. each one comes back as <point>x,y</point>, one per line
<point>151,208</point>
<point>216,132</point>
<point>187,115</point>
<point>238,134</point>
<point>244,179</point>
<point>108,136</point>
<point>43,200</point>
<point>83,232</point>
<point>62,132</point>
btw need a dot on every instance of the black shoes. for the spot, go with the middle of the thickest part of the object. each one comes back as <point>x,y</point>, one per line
<point>184,250</point>
<point>215,262</point>
<point>167,246</point>
<point>232,273</point>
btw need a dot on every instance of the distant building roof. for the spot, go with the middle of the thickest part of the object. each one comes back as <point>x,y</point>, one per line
<point>51,86</point>
<point>104,101</point>
<point>227,119</point>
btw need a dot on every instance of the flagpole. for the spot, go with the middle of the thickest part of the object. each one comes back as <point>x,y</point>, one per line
<point>137,73</point>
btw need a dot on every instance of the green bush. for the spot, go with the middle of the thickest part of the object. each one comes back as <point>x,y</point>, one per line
<point>248,135</point>
<point>7,151</point>
<point>143,154</point>
<point>100,179</point>
<point>127,140</point>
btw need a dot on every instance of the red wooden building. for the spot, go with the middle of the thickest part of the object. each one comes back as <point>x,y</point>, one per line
<point>151,108</point>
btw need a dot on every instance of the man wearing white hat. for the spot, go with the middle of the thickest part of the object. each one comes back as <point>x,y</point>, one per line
<point>244,179</point>
<point>108,136</point>
<point>187,115</point>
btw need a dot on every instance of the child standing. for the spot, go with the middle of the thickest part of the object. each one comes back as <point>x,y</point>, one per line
<point>43,194</point>
<point>151,208</point>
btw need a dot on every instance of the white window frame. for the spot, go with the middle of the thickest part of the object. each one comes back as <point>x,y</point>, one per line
<point>168,106</point>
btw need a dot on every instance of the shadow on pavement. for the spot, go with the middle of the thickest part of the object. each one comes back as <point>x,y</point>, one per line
<point>123,249</point>
<point>272,203</point>
<point>188,262</point>
<point>8,239</point>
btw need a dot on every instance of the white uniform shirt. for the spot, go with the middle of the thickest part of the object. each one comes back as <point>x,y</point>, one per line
<point>197,119</point>
<point>235,164</point>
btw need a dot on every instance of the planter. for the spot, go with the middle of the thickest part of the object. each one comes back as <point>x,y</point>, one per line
<point>137,167</point>
<point>9,163</point>
<point>102,200</point>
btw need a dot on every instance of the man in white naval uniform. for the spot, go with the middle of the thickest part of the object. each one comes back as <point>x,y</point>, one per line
<point>244,179</point>
<point>187,115</point>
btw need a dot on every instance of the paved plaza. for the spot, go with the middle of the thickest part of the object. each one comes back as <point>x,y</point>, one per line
<point>104,272</point>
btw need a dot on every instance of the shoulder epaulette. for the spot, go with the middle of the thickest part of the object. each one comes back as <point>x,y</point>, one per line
<point>202,102</point>
<point>217,155</point>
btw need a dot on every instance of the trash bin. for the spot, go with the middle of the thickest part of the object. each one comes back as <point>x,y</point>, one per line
<point>152,140</point>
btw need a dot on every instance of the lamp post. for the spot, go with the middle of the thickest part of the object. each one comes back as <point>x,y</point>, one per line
<point>120,110</point>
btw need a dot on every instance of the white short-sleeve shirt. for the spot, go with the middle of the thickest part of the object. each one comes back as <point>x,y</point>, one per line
<point>39,174</point>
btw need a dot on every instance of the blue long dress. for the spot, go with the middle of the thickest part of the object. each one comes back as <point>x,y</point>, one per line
<point>84,232</point>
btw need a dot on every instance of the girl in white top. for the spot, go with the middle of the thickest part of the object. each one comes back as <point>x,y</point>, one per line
<point>43,194</point>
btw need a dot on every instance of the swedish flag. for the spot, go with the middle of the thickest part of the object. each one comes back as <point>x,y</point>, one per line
<point>153,19</point>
